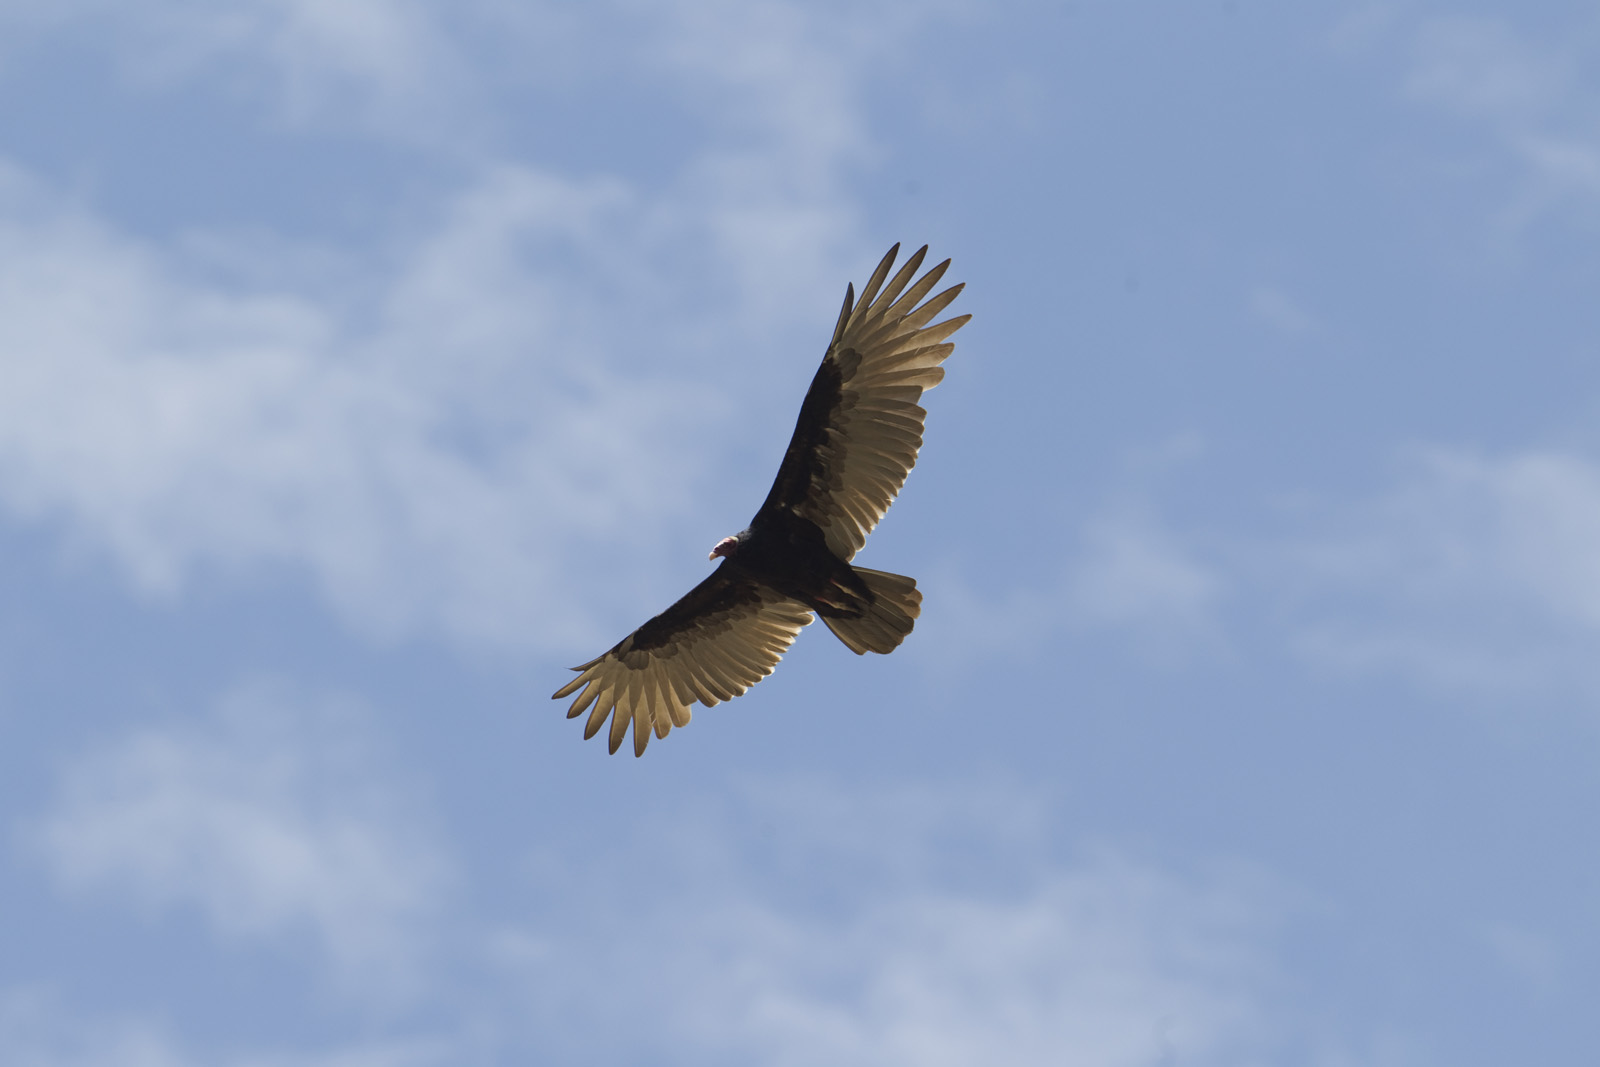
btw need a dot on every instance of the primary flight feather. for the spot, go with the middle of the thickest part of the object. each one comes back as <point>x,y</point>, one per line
<point>856,439</point>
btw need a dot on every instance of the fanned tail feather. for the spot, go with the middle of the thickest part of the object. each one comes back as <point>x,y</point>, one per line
<point>895,607</point>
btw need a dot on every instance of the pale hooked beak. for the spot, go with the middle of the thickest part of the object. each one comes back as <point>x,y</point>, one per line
<point>724,547</point>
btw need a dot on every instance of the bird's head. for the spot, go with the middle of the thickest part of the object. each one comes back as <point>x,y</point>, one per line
<point>725,547</point>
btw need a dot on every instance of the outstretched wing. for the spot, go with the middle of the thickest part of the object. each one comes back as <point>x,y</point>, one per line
<point>722,637</point>
<point>860,426</point>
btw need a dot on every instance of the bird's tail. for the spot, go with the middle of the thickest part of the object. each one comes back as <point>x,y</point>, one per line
<point>895,607</point>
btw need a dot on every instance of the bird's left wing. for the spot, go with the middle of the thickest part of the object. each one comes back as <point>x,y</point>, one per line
<point>723,636</point>
<point>860,425</point>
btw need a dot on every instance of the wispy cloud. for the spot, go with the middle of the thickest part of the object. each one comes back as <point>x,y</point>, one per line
<point>37,1030</point>
<point>1080,968</point>
<point>1133,572</point>
<point>1471,572</point>
<point>268,821</point>
<point>1277,309</point>
<point>1484,68</point>
<point>1532,95</point>
<point>809,921</point>
<point>182,426</point>
<point>1126,570</point>
<point>1474,572</point>
<point>904,955</point>
<point>448,428</point>
<point>439,75</point>
<point>395,69</point>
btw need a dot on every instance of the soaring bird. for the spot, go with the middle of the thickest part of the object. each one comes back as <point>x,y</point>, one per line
<point>857,437</point>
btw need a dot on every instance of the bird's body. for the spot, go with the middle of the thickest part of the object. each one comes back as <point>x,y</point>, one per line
<point>857,436</point>
<point>790,553</point>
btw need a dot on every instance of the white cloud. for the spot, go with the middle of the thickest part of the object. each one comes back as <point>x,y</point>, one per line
<point>1279,310</point>
<point>1530,94</point>
<point>1472,574</point>
<point>1482,67</point>
<point>1107,966</point>
<point>1135,573</point>
<point>36,1030</point>
<point>394,67</point>
<point>810,922</point>
<point>446,75</point>
<point>1475,572</point>
<point>938,933</point>
<point>1128,572</point>
<point>449,430</point>
<point>1532,958</point>
<point>269,822</point>
<point>179,425</point>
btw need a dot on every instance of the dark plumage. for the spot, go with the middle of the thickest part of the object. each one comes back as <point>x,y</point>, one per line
<point>856,439</point>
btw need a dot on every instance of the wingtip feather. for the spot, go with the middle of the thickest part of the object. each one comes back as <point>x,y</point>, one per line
<point>844,313</point>
<point>870,291</point>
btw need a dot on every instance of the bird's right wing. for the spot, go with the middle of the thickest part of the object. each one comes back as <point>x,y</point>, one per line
<point>722,637</point>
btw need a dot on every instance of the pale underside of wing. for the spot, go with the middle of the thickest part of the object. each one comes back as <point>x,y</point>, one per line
<point>887,354</point>
<point>712,657</point>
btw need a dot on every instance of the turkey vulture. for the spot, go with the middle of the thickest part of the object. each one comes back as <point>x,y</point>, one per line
<point>857,437</point>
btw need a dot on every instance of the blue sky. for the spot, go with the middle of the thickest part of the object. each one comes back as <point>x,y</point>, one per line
<point>364,365</point>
